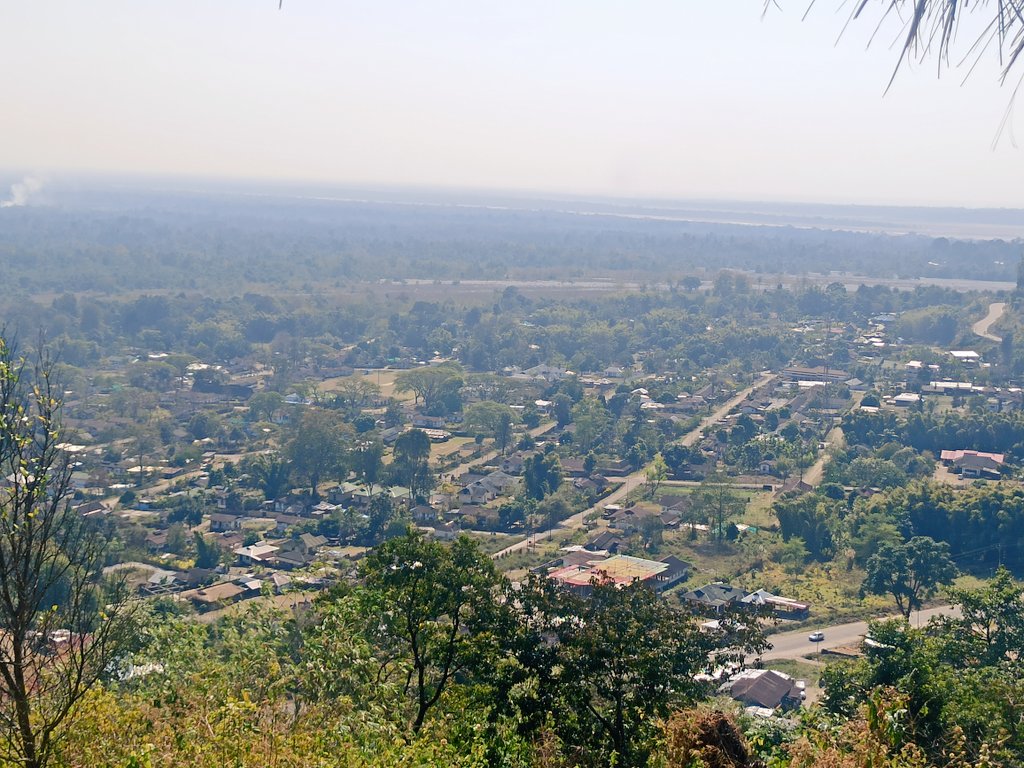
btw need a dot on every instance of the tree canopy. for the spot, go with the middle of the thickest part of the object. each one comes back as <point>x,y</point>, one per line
<point>910,572</point>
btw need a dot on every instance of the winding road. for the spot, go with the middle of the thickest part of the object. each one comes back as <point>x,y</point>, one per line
<point>981,328</point>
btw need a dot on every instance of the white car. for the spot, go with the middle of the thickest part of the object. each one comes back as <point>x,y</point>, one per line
<point>816,637</point>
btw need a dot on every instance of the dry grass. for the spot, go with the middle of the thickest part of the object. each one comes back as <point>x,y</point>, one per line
<point>384,378</point>
<point>442,452</point>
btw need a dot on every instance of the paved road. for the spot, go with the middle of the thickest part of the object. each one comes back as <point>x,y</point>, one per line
<point>691,437</point>
<point>466,466</point>
<point>631,482</point>
<point>995,311</point>
<point>791,645</point>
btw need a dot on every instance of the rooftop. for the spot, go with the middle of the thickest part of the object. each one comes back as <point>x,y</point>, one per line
<point>619,569</point>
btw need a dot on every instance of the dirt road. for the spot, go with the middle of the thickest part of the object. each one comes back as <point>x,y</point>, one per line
<point>995,311</point>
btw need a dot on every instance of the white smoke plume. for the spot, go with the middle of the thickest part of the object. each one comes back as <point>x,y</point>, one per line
<point>22,191</point>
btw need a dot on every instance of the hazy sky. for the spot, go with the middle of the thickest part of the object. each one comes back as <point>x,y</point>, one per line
<point>679,98</point>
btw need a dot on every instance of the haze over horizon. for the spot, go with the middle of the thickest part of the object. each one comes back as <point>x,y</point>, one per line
<point>660,101</point>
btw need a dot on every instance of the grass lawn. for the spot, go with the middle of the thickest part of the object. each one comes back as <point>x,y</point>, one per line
<point>831,589</point>
<point>758,512</point>
<point>801,670</point>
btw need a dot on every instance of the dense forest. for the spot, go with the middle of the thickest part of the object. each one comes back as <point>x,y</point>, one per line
<point>687,329</point>
<point>103,241</point>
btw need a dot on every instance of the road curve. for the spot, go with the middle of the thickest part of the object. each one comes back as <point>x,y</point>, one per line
<point>981,328</point>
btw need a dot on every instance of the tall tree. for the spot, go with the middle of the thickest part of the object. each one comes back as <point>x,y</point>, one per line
<point>492,419</point>
<point>437,386</point>
<point>592,420</point>
<point>61,626</point>
<point>627,659</point>
<point>542,474</point>
<point>273,474</point>
<point>990,628</point>
<point>355,393</point>
<point>431,599</point>
<point>656,473</point>
<point>367,453</point>
<point>318,447</point>
<point>411,465</point>
<point>207,553</point>
<point>716,501</point>
<point>910,572</point>
<point>263,405</point>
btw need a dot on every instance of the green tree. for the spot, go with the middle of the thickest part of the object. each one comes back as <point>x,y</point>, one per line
<point>592,420</point>
<point>152,375</point>
<point>869,532</point>
<point>809,518</point>
<point>716,500</point>
<point>207,553</point>
<point>531,416</point>
<point>318,447</point>
<point>428,602</point>
<point>627,659</point>
<point>910,572</point>
<point>411,465</point>
<point>394,416</point>
<point>264,405</point>
<point>205,424</point>
<point>492,419</point>
<point>793,555</point>
<point>991,622</point>
<point>542,474</point>
<point>380,515</point>
<point>437,386</point>
<point>177,540</point>
<point>273,473</point>
<point>355,393</point>
<point>878,473</point>
<point>959,678</point>
<point>51,563</point>
<point>561,408</point>
<point>367,455</point>
<point>656,473</point>
<point>652,532</point>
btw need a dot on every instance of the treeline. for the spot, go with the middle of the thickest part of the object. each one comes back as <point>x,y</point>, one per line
<point>678,329</point>
<point>954,430</point>
<point>150,241</point>
<point>983,525</point>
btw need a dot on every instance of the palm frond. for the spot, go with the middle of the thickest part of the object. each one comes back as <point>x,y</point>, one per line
<point>930,29</point>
